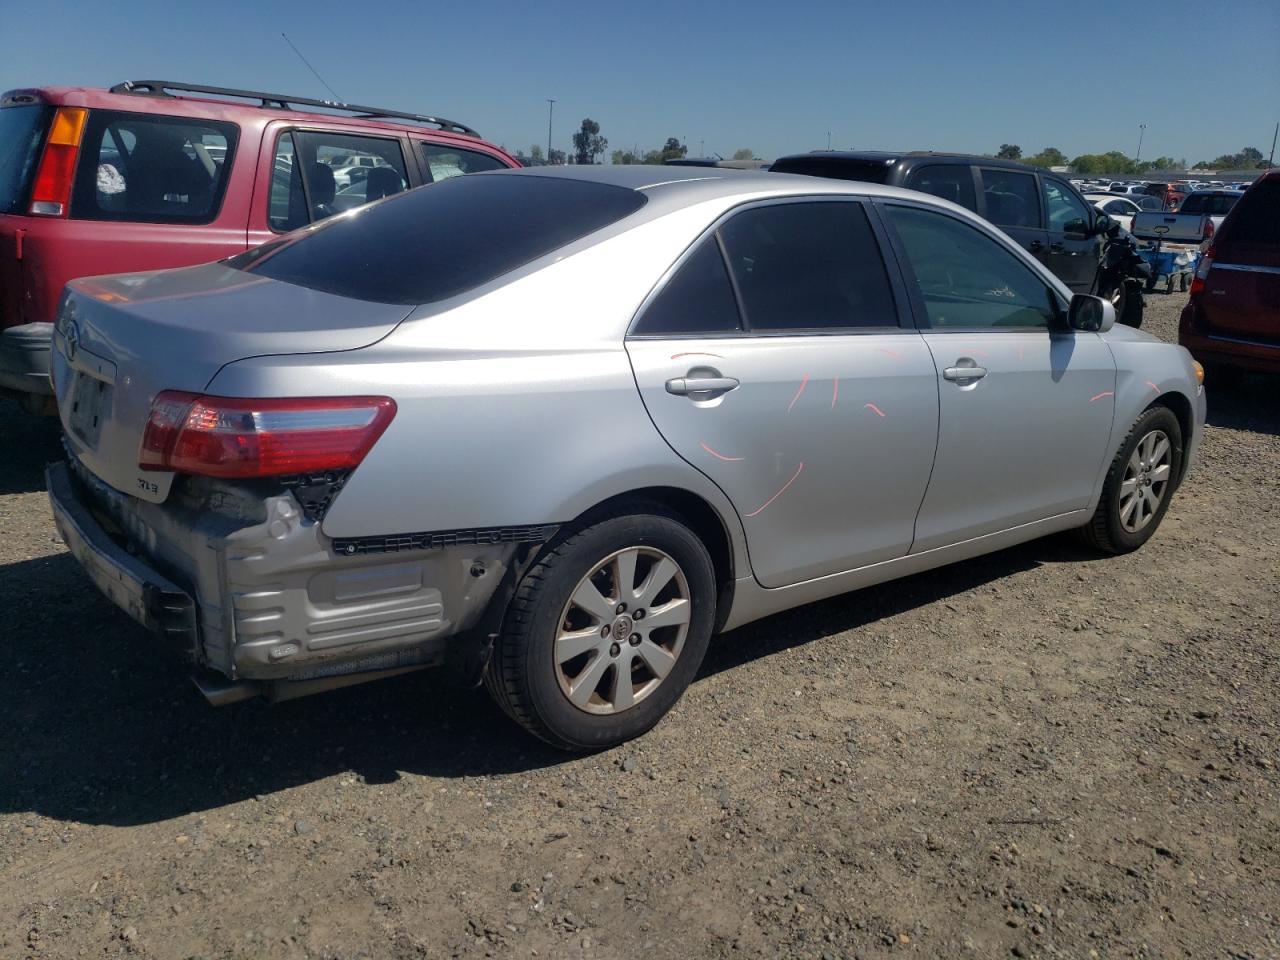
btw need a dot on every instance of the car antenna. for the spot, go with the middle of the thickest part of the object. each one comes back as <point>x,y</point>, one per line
<point>311,68</point>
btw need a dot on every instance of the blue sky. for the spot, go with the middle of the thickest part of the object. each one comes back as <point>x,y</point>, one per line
<point>776,77</point>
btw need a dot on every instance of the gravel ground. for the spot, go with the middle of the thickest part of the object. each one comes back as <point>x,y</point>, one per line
<point>1041,753</point>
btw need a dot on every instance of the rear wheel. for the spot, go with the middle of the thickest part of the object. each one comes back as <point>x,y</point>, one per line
<point>606,631</point>
<point>1139,484</point>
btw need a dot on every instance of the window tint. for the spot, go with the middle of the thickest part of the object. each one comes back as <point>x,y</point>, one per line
<point>698,299</point>
<point>152,169</point>
<point>21,130</point>
<point>1066,210</point>
<point>837,168</point>
<point>952,181</point>
<point>443,162</point>
<point>1011,198</point>
<point>1214,204</point>
<point>1257,217</point>
<point>967,279</point>
<point>808,266</point>
<point>1118,206</point>
<point>316,175</point>
<point>442,240</point>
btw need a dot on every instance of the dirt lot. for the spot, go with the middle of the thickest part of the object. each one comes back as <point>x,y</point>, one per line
<point>1040,753</point>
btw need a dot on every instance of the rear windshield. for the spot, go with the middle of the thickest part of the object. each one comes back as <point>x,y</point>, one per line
<point>443,239</point>
<point>152,169</point>
<point>1256,216</point>
<point>1215,205</point>
<point>871,171</point>
<point>21,130</point>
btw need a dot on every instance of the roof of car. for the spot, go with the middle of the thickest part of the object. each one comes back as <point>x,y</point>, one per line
<point>891,157</point>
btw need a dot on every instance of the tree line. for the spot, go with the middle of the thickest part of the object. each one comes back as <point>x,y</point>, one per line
<point>1113,161</point>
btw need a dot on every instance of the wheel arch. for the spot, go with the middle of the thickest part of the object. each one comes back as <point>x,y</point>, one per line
<point>1178,404</point>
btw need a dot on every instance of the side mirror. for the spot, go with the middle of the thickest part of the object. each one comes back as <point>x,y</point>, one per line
<point>1106,225</point>
<point>1091,314</point>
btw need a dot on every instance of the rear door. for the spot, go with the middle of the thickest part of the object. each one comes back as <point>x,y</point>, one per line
<point>950,181</point>
<point>1075,250</point>
<point>773,359</point>
<point>1242,290</point>
<point>1011,200</point>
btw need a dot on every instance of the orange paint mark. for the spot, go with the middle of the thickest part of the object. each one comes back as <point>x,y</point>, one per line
<point>980,353</point>
<point>874,409</point>
<point>1104,393</point>
<point>893,353</point>
<point>835,392</point>
<point>803,383</point>
<point>1021,352</point>
<point>1153,386</point>
<point>695,353</point>
<point>762,506</point>
<point>717,454</point>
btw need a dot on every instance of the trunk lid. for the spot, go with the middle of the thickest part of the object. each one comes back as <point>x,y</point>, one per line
<point>122,339</point>
<point>1170,227</point>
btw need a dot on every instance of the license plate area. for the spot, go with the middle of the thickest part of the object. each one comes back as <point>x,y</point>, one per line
<point>90,407</point>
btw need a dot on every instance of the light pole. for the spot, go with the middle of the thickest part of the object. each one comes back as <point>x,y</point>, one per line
<point>1142,129</point>
<point>551,106</point>
<point>828,139</point>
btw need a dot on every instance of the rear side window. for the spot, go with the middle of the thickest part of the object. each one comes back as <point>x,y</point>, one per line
<point>808,266</point>
<point>443,162</point>
<point>1256,218</point>
<point>697,300</point>
<point>442,240</point>
<point>952,181</point>
<point>871,171</point>
<point>1011,198</point>
<point>150,169</point>
<point>21,130</point>
<point>317,174</point>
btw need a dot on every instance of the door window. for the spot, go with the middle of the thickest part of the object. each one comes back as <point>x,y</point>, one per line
<point>808,266</point>
<point>966,279</point>
<point>317,174</point>
<point>1011,198</point>
<point>1121,207</point>
<point>443,161</point>
<point>1066,210</point>
<point>152,169</point>
<point>952,181</point>
<point>697,300</point>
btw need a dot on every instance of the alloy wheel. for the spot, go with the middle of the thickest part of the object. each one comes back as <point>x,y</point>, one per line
<point>1146,478</point>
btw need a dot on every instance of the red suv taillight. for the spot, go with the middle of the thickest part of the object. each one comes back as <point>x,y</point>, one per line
<point>1202,272</point>
<point>237,438</point>
<point>51,192</point>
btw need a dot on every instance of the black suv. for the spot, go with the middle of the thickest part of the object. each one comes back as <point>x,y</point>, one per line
<point>1038,209</point>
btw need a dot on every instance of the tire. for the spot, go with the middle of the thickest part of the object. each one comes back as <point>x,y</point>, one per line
<point>1120,525</point>
<point>1183,283</point>
<point>532,676</point>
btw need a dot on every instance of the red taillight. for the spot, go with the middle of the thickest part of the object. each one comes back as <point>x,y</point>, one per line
<point>1202,272</point>
<point>238,438</point>
<point>1208,229</point>
<point>51,193</point>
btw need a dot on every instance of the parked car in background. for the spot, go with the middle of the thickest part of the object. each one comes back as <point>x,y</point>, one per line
<point>1232,320</point>
<point>744,392</point>
<point>1129,189</point>
<point>1038,209</point>
<point>156,174</point>
<point>1195,222</point>
<point>1170,196</point>
<point>1119,209</point>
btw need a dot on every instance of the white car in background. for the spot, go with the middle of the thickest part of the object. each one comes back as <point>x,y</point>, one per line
<point>1122,209</point>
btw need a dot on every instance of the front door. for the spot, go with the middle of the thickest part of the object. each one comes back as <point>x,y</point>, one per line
<point>1075,250</point>
<point>1011,200</point>
<point>1025,403</point>
<point>772,359</point>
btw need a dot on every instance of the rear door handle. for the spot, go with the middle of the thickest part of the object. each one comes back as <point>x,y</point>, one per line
<point>684,386</point>
<point>964,373</point>
<point>1035,246</point>
<point>1057,247</point>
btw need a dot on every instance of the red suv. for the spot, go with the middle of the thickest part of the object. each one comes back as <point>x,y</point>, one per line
<point>146,175</point>
<point>1233,316</point>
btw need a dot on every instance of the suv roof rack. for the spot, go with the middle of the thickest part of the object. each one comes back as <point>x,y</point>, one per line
<point>161,88</point>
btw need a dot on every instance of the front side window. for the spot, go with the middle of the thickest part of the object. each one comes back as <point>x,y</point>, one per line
<point>317,174</point>
<point>152,169</point>
<point>1011,198</point>
<point>966,279</point>
<point>1121,207</point>
<point>1066,211</point>
<point>808,266</point>
<point>952,181</point>
<point>443,161</point>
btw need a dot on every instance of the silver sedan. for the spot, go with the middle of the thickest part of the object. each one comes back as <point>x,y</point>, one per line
<point>556,428</point>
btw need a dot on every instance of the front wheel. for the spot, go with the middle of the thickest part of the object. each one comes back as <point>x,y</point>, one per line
<point>1139,484</point>
<point>606,631</point>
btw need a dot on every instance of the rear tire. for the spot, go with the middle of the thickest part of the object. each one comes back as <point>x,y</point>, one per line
<point>1139,484</point>
<point>586,664</point>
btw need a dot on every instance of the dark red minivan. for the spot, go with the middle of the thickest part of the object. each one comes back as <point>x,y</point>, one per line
<point>1233,317</point>
<point>154,174</point>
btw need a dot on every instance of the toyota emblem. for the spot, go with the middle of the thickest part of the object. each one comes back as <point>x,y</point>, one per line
<point>71,337</point>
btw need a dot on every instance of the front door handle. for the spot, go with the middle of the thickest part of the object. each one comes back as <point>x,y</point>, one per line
<point>1057,247</point>
<point>685,386</point>
<point>964,372</point>
<point>1035,246</point>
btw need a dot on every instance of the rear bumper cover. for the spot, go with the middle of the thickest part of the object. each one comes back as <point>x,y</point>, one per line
<point>24,358</point>
<point>1233,352</point>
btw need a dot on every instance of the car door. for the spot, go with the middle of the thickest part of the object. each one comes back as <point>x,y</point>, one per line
<point>774,359</point>
<point>1025,403</point>
<point>950,181</point>
<point>1075,248</point>
<point>1011,200</point>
